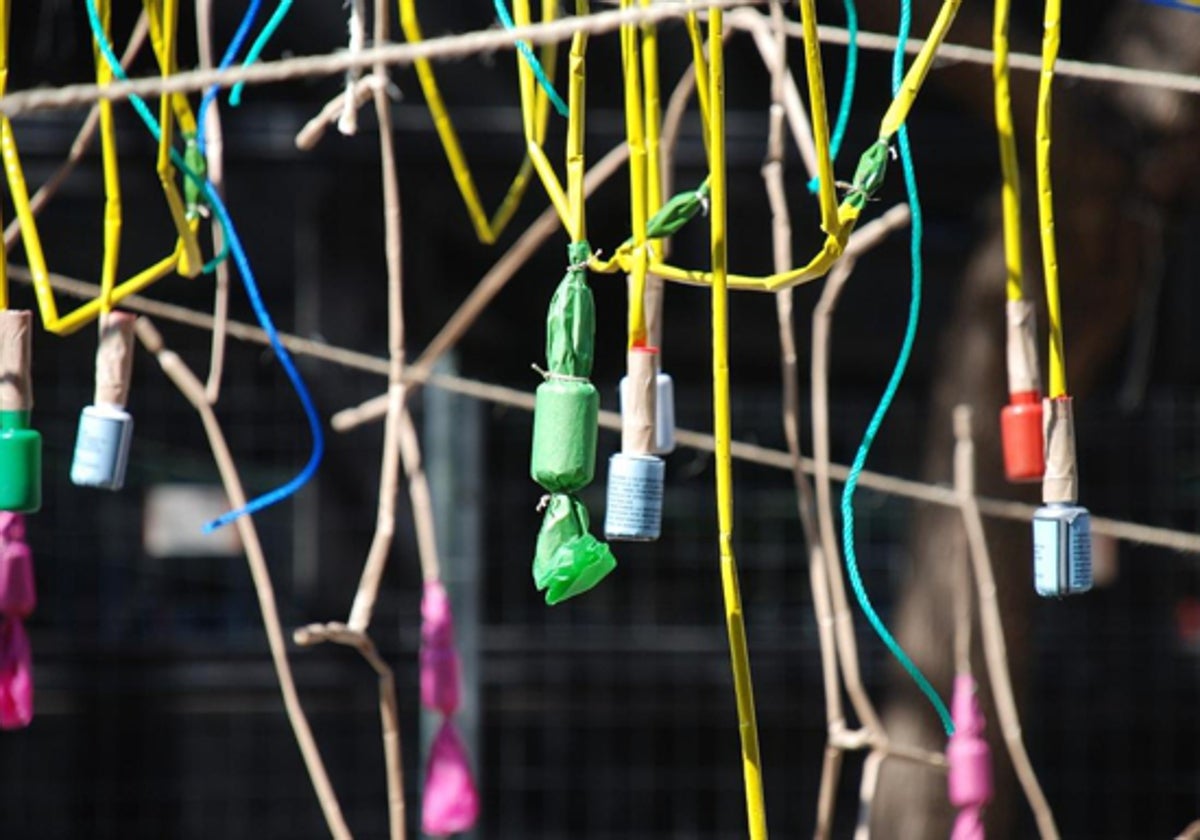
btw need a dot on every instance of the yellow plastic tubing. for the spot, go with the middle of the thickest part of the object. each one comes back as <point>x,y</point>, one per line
<point>186,259</point>
<point>837,220</point>
<point>1010,195</point>
<point>535,119</point>
<point>568,203</point>
<point>734,623</point>
<point>1050,39</point>
<point>635,132</point>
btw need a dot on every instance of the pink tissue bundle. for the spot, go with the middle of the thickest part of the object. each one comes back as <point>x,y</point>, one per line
<point>968,825</point>
<point>18,596</point>
<point>439,656</point>
<point>450,803</point>
<point>970,777</point>
<point>16,675</point>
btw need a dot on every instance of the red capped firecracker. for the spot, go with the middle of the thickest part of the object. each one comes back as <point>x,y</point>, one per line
<point>1021,419</point>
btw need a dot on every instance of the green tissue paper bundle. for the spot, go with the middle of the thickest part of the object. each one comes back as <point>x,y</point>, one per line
<point>569,561</point>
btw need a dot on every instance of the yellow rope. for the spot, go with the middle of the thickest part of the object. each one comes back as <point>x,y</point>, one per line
<point>487,230</point>
<point>635,133</point>
<point>734,623</point>
<point>700,65</point>
<point>1050,41</point>
<point>185,258</point>
<point>1011,191</point>
<point>826,195</point>
<point>838,227</point>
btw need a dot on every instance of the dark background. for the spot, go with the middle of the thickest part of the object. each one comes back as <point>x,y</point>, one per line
<point>611,715</point>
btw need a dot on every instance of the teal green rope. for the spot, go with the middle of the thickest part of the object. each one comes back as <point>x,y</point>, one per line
<point>848,80</point>
<point>260,43</point>
<point>532,60</point>
<point>889,394</point>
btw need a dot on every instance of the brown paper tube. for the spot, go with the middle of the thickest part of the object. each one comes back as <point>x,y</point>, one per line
<point>654,315</point>
<point>638,406</point>
<point>114,359</point>
<point>1023,373</point>
<point>16,358</point>
<point>1061,481</point>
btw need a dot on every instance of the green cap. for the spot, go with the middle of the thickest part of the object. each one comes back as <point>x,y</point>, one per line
<point>20,463</point>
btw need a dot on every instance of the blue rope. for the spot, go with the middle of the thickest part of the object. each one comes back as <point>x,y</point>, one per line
<point>532,61</point>
<point>260,310</point>
<point>848,80</point>
<point>231,54</point>
<point>260,43</point>
<point>889,394</point>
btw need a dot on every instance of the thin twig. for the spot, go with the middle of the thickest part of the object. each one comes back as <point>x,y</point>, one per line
<point>822,320</point>
<point>1183,542</point>
<point>992,630</point>
<point>389,707</point>
<point>389,474</point>
<point>314,129</point>
<point>773,53</point>
<point>483,294</point>
<point>964,484</point>
<point>191,388</point>
<point>81,143</point>
<point>866,793</point>
<point>445,48</point>
<point>348,121</point>
<point>454,47</point>
<point>214,154</point>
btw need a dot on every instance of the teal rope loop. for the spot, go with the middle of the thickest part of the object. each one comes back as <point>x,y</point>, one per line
<point>532,60</point>
<point>235,95</point>
<point>889,394</point>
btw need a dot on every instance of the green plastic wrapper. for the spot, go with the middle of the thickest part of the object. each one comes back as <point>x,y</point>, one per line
<point>565,423</point>
<point>569,561</point>
<point>571,321</point>
<point>677,212</point>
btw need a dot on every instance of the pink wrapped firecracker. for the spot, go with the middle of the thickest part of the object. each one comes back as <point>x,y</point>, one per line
<point>970,777</point>
<point>451,802</point>
<point>18,595</point>
<point>439,655</point>
<point>16,675</point>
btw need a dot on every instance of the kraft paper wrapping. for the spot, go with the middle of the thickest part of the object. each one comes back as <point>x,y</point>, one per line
<point>1023,372</point>
<point>16,354</point>
<point>565,424</point>
<point>569,561</point>
<point>1061,481</point>
<point>114,359</point>
<point>638,402</point>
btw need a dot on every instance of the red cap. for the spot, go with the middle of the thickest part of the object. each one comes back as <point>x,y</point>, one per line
<point>1021,437</point>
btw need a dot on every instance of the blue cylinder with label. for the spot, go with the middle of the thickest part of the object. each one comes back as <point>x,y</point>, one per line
<point>102,447</point>
<point>1062,550</point>
<point>635,497</point>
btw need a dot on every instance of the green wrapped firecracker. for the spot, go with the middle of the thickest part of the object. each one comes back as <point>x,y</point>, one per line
<point>565,423</point>
<point>568,559</point>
